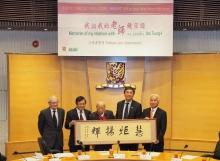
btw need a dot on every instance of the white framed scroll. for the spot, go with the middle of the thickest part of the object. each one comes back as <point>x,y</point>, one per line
<point>95,132</point>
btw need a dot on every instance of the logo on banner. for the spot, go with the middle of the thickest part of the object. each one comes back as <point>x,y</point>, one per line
<point>115,76</point>
<point>64,48</point>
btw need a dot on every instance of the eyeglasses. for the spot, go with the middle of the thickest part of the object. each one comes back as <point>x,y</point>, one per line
<point>53,102</point>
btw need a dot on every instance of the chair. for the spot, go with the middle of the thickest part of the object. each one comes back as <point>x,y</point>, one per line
<point>44,147</point>
<point>2,157</point>
<point>216,154</point>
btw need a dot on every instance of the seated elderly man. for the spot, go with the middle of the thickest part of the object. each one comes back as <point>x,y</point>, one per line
<point>101,114</point>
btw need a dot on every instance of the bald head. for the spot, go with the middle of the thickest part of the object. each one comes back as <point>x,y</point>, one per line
<point>53,102</point>
<point>100,106</point>
<point>53,97</point>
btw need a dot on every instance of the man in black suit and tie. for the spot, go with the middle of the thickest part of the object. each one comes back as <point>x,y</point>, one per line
<point>78,113</point>
<point>50,123</point>
<point>129,109</point>
<point>101,114</point>
<point>155,112</point>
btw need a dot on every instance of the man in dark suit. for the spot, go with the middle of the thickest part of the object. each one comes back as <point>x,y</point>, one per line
<point>155,112</point>
<point>129,109</point>
<point>78,113</point>
<point>50,123</point>
<point>101,114</point>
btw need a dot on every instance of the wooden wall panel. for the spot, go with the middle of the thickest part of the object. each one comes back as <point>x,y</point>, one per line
<point>195,103</point>
<point>32,80</point>
<point>74,84</point>
<point>196,62</point>
<point>74,81</point>
<point>21,146</point>
<point>187,84</point>
<point>97,74</point>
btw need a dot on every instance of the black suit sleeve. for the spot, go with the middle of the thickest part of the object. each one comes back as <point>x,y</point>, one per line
<point>68,120</point>
<point>92,117</point>
<point>163,124</point>
<point>111,115</point>
<point>41,120</point>
<point>139,111</point>
<point>116,115</point>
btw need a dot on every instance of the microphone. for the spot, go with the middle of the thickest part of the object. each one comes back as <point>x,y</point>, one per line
<point>15,152</point>
<point>151,147</point>
<point>118,142</point>
<point>81,144</point>
<point>186,146</point>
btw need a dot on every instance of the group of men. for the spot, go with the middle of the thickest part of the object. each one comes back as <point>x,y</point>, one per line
<point>51,120</point>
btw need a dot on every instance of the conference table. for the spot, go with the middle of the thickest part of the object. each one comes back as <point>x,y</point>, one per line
<point>129,156</point>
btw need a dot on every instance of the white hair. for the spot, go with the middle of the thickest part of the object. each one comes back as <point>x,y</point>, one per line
<point>53,97</point>
<point>158,97</point>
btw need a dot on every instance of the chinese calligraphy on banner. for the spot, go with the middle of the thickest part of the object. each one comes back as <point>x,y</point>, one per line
<point>110,131</point>
<point>115,28</point>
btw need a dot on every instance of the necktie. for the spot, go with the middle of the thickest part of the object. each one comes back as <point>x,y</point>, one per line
<point>54,118</point>
<point>126,111</point>
<point>81,117</point>
<point>151,114</point>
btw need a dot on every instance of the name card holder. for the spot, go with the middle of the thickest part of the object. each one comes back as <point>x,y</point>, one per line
<point>83,157</point>
<point>121,156</point>
<point>147,157</point>
<point>39,155</point>
<point>176,159</point>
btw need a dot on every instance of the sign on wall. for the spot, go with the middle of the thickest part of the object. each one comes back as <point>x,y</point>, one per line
<point>115,28</point>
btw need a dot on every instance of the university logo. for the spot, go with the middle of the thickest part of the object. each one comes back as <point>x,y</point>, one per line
<point>64,48</point>
<point>115,72</point>
<point>115,76</point>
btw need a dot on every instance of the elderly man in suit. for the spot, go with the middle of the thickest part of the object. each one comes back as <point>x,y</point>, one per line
<point>129,109</point>
<point>78,113</point>
<point>155,112</point>
<point>50,123</point>
<point>101,114</point>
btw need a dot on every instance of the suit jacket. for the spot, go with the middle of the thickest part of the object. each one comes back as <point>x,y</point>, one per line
<point>47,129</point>
<point>72,115</point>
<point>161,117</point>
<point>134,112</point>
<point>94,116</point>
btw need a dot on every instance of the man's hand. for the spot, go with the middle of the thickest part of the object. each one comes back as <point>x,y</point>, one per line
<point>73,122</point>
<point>156,142</point>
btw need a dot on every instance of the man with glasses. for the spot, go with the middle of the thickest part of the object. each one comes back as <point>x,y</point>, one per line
<point>50,123</point>
<point>78,113</point>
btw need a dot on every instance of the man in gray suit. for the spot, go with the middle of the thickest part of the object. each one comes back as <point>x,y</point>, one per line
<point>101,114</point>
<point>50,123</point>
<point>154,112</point>
<point>128,109</point>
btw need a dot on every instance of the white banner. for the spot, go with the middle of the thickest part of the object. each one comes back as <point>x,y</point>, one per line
<point>115,28</point>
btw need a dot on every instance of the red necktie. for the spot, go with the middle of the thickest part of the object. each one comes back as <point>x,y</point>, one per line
<point>151,114</point>
<point>81,117</point>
